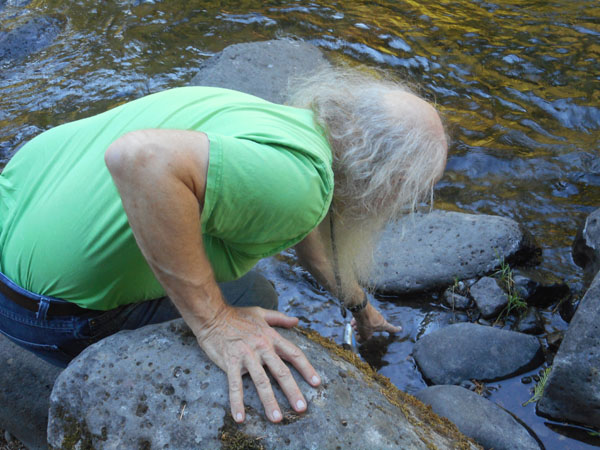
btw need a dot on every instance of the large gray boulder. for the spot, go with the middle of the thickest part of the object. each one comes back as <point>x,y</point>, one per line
<point>26,381</point>
<point>586,247</point>
<point>119,393</point>
<point>260,68</point>
<point>432,250</point>
<point>572,392</point>
<point>478,418</point>
<point>467,351</point>
<point>25,385</point>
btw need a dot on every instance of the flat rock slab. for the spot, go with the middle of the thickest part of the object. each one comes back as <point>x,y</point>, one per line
<point>586,247</point>
<point>154,388</point>
<point>484,421</point>
<point>433,250</point>
<point>467,351</point>
<point>25,385</point>
<point>260,68</point>
<point>572,392</point>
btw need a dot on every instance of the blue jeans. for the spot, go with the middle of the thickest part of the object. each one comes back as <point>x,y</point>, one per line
<point>58,339</point>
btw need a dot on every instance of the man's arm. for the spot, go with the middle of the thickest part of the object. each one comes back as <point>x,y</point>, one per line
<point>314,258</point>
<point>161,178</point>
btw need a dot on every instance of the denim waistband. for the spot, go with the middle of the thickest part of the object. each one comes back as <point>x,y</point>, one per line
<point>32,295</point>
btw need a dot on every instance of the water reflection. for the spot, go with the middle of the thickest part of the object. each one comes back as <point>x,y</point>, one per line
<point>516,81</point>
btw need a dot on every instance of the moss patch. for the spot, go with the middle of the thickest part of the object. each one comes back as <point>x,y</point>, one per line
<point>232,438</point>
<point>75,434</point>
<point>418,414</point>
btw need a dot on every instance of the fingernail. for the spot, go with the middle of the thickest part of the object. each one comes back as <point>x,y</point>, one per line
<point>315,380</point>
<point>238,417</point>
<point>276,415</point>
<point>300,404</point>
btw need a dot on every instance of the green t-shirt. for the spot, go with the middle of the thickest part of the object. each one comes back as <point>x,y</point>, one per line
<point>63,230</point>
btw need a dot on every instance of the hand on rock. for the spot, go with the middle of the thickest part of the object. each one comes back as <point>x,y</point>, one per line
<point>369,321</point>
<point>241,341</point>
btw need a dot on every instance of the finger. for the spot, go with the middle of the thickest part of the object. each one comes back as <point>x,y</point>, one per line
<point>293,354</point>
<point>278,319</point>
<point>236,395</point>
<point>390,328</point>
<point>284,377</point>
<point>263,387</point>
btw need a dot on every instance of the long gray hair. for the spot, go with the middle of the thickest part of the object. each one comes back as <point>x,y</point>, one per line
<point>385,162</point>
<point>386,158</point>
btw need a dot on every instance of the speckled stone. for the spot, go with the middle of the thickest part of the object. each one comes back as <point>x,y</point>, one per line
<point>153,386</point>
<point>429,251</point>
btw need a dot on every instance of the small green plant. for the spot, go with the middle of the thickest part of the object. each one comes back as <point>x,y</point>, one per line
<point>515,302</point>
<point>539,387</point>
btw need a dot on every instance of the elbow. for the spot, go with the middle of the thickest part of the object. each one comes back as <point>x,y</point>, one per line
<point>124,154</point>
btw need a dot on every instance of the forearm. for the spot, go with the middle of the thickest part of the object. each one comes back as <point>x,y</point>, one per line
<point>156,173</point>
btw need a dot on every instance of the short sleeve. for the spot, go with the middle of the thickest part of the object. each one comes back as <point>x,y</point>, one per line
<point>260,198</point>
<point>227,264</point>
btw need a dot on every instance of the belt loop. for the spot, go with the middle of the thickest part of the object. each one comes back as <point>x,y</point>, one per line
<point>42,309</point>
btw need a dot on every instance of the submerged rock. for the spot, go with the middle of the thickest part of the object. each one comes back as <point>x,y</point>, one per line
<point>467,351</point>
<point>539,290</point>
<point>429,251</point>
<point>260,68</point>
<point>489,297</point>
<point>586,247</point>
<point>484,421</point>
<point>29,38</point>
<point>153,386</point>
<point>530,322</point>
<point>456,301</point>
<point>572,392</point>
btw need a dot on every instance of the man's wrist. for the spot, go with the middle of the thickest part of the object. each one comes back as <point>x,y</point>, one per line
<point>359,307</point>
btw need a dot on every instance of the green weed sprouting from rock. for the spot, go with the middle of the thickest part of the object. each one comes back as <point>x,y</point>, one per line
<point>539,387</point>
<point>515,302</point>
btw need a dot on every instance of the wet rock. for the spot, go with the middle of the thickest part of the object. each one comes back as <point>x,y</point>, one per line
<point>8,437</point>
<point>260,68</point>
<point>467,351</point>
<point>25,385</point>
<point>568,308</point>
<point>152,387</point>
<point>438,247</point>
<point>539,290</point>
<point>487,423</point>
<point>586,247</point>
<point>456,301</point>
<point>572,392</point>
<point>489,297</point>
<point>554,340</point>
<point>530,322</point>
<point>31,37</point>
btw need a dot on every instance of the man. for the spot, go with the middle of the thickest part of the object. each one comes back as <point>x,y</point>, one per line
<point>168,194</point>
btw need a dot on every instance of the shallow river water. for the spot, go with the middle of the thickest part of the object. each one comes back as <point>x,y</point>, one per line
<point>517,81</point>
